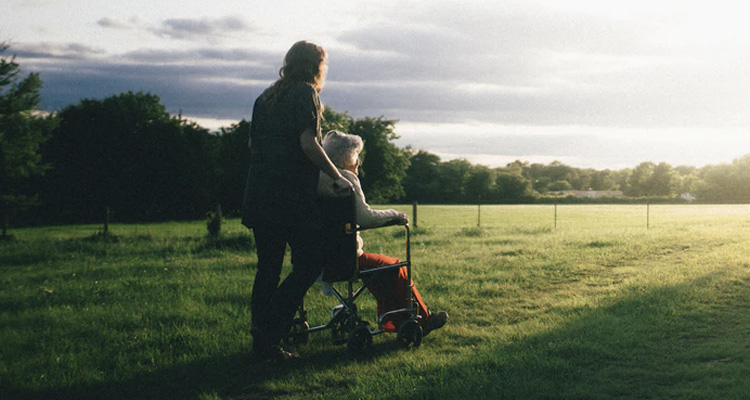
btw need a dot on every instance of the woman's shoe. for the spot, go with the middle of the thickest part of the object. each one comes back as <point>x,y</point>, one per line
<point>274,354</point>
<point>436,321</point>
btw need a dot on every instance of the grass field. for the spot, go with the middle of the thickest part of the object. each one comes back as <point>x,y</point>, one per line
<point>613,302</point>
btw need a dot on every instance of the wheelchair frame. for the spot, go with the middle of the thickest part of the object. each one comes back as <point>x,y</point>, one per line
<point>345,324</point>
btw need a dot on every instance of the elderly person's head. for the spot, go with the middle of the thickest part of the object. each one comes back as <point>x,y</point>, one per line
<point>343,149</point>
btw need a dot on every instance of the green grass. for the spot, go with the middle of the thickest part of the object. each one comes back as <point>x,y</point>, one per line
<point>599,307</point>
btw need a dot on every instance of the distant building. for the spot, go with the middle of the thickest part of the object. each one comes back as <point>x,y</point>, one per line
<point>689,197</point>
<point>591,194</point>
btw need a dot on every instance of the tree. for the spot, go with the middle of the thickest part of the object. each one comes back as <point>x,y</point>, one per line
<point>126,153</point>
<point>726,182</point>
<point>602,180</point>
<point>557,186</point>
<point>687,184</point>
<point>558,171</point>
<point>233,162</point>
<point>639,178</point>
<point>538,177</point>
<point>21,135</point>
<point>512,188</point>
<point>741,175</point>
<point>719,184</point>
<point>422,181</point>
<point>454,175</point>
<point>622,179</point>
<point>660,183</point>
<point>581,179</point>
<point>480,185</point>
<point>384,165</point>
<point>555,176</point>
<point>333,120</point>
<point>686,180</point>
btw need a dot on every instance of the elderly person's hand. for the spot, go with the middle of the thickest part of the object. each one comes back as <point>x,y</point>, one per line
<point>402,218</point>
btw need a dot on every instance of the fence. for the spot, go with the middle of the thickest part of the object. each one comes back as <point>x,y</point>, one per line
<point>572,216</point>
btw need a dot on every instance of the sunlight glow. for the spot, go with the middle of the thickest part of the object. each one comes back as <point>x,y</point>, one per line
<point>496,145</point>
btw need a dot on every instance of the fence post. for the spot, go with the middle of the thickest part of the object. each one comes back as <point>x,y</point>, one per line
<point>414,212</point>
<point>648,214</point>
<point>479,215</point>
<point>106,220</point>
<point>557,200</point>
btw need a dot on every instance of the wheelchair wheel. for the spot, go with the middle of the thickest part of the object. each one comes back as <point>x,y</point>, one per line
<point>410,334</point>
<point>298,333</point>
<point>359,339</point>
<point>341,325</point>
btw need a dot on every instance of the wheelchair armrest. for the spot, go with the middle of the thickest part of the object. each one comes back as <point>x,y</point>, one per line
<point>391,223</point>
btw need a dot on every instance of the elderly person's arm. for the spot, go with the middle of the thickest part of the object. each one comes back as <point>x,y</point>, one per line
<point>366,216</point>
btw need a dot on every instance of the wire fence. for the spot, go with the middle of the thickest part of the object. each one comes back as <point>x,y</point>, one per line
<point>579,216</point>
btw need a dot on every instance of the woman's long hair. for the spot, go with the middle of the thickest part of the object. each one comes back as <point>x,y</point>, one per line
<point>304,62</point>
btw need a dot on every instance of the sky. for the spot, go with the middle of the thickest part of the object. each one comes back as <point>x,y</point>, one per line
<point>590,83</point>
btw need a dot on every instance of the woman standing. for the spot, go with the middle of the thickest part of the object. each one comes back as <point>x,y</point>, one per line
<point>280,195</point>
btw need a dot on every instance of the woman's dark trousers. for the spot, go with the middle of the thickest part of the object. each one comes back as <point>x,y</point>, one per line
<point>273,305</point>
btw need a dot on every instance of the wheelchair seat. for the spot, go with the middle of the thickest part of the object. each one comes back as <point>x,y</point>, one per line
<point>340,230</point>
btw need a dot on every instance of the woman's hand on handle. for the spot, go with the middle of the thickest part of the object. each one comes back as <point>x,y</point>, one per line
<point>341,185</point>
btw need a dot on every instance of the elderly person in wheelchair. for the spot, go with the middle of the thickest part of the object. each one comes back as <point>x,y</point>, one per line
<point>390,288</point>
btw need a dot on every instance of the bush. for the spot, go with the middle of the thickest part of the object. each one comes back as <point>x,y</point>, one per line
<point>213,222</point>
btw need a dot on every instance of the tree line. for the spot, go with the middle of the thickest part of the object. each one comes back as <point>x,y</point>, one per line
<point>126,156</point>
<point>430,180</point>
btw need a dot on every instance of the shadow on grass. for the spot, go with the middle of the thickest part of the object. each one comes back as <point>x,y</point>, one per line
<point>237,376</point>
<point>237,242</point>
<point>674,342</point>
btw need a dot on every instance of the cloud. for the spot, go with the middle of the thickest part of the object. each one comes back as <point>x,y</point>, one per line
<point>204,29</point>
<point>181,89</point>
<point>203,82</point>
<point>208,30</point>
<point>112,23</point>
<point>52,51</point>
<point>203,55</point>
<point>530,64</point>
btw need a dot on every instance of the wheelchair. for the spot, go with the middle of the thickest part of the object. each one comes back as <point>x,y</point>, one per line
<point>345,323</point>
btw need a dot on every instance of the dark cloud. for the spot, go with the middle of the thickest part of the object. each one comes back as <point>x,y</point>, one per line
<point>112,23</point>
<point>201,83</point>
<point>178,88</point>
<point>52,51</point>
<point>188,29</point>
<point>203,55</point>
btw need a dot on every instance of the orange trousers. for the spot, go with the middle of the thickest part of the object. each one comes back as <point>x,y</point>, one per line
<point>391,289</point>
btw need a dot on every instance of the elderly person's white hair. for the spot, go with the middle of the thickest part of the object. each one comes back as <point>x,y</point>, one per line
<point>343,149</point>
